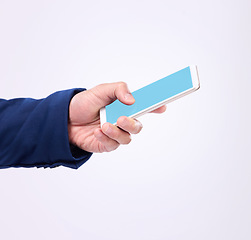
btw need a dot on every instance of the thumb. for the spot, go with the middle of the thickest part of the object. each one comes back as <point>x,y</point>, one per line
<point>109,92</point>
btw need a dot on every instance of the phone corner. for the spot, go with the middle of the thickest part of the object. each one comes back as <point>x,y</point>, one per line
<point>195,77</point>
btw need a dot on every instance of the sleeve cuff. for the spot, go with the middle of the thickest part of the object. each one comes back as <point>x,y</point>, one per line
<point>62,152</point>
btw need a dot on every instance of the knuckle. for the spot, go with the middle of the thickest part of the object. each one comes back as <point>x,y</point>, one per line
<point>122,85</point>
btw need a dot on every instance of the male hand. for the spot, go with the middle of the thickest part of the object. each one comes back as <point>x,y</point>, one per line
<point>84,121</point>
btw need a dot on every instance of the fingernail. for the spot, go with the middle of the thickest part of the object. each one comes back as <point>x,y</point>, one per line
<point>129,96</point>
<point>138,125</point>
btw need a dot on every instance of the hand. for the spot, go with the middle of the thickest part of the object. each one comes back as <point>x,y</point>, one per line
<point>84,121</point>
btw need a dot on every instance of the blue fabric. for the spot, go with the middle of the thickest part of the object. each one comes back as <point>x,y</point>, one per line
<point>34,133</point>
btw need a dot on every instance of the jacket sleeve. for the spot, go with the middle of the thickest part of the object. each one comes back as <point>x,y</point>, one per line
<point>34,133</point>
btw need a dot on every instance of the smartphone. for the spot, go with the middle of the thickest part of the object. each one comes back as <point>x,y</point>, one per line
<point>154,95</point>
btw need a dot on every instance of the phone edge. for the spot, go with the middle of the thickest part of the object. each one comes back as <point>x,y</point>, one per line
<point>196,86</point>
<point>195,76</point>
<point>102,114</point>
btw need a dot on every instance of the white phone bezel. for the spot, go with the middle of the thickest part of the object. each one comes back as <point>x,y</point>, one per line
<point>196,86</point>
<point>102,113</point>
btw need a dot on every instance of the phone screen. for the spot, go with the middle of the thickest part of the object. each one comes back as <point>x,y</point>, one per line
<point>151,95</point>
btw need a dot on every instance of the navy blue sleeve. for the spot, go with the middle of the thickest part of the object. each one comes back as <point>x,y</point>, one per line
<point>34,133</point>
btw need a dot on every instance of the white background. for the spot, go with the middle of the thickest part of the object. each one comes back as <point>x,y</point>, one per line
<point>188,174</point>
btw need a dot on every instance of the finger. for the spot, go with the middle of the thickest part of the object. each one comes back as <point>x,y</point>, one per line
<point>109,92</point>
<point>159,110</point>
<point>129,124</point>
<point>108,144</point>
<point>116,134</point>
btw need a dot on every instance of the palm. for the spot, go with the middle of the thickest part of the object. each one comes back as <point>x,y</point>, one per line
<point>84,121</point>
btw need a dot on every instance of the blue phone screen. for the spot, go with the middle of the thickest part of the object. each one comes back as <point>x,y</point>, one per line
<point>151,94</point>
